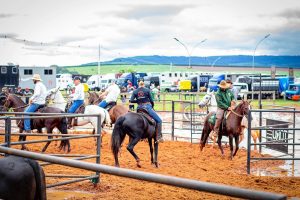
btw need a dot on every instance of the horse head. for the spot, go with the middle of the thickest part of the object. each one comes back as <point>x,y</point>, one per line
<point>8,102</point>
<point>206,100</point>
<point>245,107</point>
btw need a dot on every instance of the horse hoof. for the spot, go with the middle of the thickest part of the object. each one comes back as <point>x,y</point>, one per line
<point>156,165</point>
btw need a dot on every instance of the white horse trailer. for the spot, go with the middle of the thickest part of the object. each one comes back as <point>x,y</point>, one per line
<point>48,76</point>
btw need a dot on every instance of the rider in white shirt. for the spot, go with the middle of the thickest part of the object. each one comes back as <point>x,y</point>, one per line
<point>111,94</point>
<point>38,98</point>
<point>77,96</point>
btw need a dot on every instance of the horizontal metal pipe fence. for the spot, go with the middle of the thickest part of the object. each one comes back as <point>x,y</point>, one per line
<point>151,177</point>
<point>8,135</point>
<point>286,141</point>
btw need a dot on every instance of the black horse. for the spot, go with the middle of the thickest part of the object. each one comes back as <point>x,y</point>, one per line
<point>137,127</point>
<point>22,179</point>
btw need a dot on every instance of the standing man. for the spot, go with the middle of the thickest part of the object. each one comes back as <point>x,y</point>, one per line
<point>77,96</point>
<point>38,98</point>
<point>235,90</point>
<point>143,98</point>
<point>111,94</point>
<point>224,98</point>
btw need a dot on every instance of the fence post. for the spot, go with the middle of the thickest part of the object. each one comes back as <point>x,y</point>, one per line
<point>98,151</point>
<point>249,143</point>
<point>7,132</point>
<point>294,126</point>
<point>173,119</point>
<point>191,114</point>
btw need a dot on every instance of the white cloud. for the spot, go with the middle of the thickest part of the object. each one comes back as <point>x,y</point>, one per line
<point>140,27</point>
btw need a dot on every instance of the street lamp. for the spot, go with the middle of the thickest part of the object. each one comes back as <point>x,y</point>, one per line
<point>215,61</point>
<point>266,36</point>
<point>256,48</point>
<point>187,50</point>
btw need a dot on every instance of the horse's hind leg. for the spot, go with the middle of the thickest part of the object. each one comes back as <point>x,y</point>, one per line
<point>155,153</point>
<point>151,149</point>
<point>49,131</point>
<point>236,138</point>
<point>130,149</point>
<point>220,144</point>
<point>231,146</point>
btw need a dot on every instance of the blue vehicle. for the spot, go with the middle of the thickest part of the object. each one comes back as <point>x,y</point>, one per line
<point>284,83</point>
<point>215,80</point>
<point>294,89</point>
<point>133,77</point>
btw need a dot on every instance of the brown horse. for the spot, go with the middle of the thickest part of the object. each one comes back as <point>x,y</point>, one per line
<point>114,113</point>
<point>14,102</point>
<point>232,128</point>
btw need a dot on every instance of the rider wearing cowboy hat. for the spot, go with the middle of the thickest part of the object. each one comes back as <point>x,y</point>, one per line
<point>77,96</point>
<point>38,98</point>
<point>224,97</point>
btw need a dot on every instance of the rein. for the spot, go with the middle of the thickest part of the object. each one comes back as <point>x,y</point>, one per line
<point>18,107</point>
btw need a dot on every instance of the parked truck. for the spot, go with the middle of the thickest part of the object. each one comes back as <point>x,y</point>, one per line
<point>200,81</point>
<point>215,81</point>
<point>134,78</point>
<point>293,90</point>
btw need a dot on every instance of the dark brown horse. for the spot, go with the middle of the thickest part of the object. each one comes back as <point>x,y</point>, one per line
<point>14,102</point>
<point>114,113</point>
<point>232,128</point>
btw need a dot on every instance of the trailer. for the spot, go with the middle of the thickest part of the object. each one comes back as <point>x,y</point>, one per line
<point>9,76</point>
<point>48,75</point>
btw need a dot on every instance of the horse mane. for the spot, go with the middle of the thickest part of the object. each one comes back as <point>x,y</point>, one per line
<point>17,99</point>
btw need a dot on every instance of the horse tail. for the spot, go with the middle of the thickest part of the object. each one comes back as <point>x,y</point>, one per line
<point>40,193</point>
<point>107,117</point>
<point>64,125</point>
<point>118,136</point>
<point>205,132</point>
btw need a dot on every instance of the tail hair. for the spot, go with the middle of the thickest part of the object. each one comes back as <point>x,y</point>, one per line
<point>118,136</point>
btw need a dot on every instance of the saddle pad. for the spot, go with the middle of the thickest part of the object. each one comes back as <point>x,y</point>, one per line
<point>212,119</point>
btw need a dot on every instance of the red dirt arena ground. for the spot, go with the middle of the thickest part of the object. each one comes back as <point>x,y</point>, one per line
<point>177,159</point>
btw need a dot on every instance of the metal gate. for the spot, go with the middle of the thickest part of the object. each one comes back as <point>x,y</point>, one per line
<point>187,121</point>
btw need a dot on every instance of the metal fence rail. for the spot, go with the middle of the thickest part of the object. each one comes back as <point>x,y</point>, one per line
<point>21,115</point>
<point>151,177</point>
<point>286,141</point>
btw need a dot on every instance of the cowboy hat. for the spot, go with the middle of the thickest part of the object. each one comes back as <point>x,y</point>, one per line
<point>36,77</point>
<point>223,85</point>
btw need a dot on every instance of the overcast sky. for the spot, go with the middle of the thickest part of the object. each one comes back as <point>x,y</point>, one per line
<point>53,29</point>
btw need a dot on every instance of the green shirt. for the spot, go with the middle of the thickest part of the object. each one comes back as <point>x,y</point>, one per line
<point>224,98</point>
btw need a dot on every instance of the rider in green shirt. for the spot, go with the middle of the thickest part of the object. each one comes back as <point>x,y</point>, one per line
<point>224,98</point>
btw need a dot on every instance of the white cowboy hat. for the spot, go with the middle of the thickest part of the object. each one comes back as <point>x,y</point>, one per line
<point>36,77</point>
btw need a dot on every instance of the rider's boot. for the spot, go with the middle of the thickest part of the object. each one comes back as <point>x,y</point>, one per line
<point>159,137</point>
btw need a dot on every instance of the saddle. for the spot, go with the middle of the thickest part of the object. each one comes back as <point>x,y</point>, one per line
<point>144,113</point>
<point>212,119</point>
<point>41,108</point>
<point>110,105</point>
<point>82,107</point>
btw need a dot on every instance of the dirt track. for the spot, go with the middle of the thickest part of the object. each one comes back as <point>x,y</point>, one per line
<point>177,159</point>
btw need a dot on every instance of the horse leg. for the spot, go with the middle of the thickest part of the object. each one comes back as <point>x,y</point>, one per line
<point>151,149</point>
<point>130,147</point>
<point>254,135</point>
<point>242,134</point>
<point>155,153</point>
<point>49,131</point>
<point>236,138</point>
<point>231,146</point>
<point>220,144</point>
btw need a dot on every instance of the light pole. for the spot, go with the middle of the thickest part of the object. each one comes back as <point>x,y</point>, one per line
<point>215,61</point>
<point>266,36</point>
<point>99,64</point>
<point>187,50</point>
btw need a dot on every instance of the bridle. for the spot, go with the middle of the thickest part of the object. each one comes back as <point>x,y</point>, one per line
<point>237,114</point>
<point>7,108</point>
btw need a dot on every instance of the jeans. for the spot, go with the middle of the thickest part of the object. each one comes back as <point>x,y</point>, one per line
<point>76,104</point>
<point>32,108</point>
<point>103,104</point>
<point>151,112</point>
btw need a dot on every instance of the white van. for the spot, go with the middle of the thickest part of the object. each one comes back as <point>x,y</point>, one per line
<point>106,80</point>
<point>63,81</point>
<point>94,82</point>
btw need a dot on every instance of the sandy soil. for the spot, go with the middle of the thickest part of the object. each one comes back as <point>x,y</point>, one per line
<point>177,159</point>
